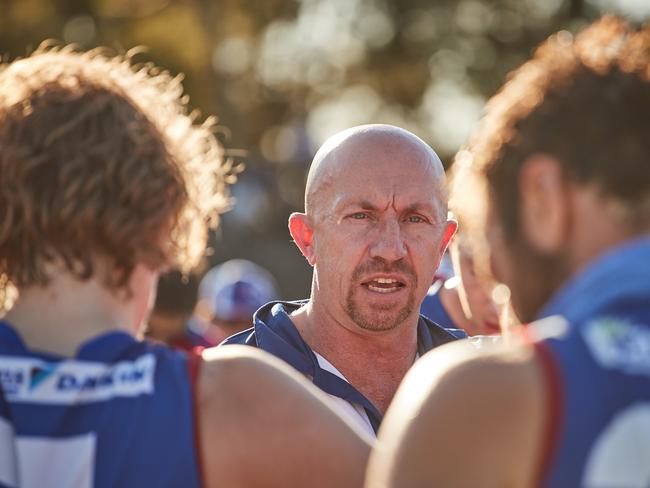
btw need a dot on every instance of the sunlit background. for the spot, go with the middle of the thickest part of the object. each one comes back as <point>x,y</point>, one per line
<point>283,75</point>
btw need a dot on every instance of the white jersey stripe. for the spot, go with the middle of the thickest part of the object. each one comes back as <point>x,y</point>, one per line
<point>68,462</point>
<point>8,472</point>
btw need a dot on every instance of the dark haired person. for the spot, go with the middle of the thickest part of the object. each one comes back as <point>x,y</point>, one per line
<point>558,180</point>
<point>169,321</point>
<point>104,180</point>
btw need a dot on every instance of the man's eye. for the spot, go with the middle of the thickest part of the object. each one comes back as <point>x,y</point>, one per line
<point>358,216</point>
<point>415,219</point>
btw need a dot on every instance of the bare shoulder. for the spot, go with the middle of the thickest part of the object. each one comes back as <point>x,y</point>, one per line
<point>261,423</point>
<point>248,383</point>
<point>239,370</point>
<point>464,416</point>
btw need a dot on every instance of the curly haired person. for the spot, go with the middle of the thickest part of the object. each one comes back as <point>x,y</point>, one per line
<point>105,179</point>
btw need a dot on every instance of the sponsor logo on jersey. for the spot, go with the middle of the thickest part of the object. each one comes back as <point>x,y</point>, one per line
<point>11,379</point>
<point>38,374</point>
<point>619,344</point>
<point>32,380</point>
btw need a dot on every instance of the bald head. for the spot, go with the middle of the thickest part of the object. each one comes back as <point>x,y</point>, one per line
<point>363,147</point>
<point>376,210</point>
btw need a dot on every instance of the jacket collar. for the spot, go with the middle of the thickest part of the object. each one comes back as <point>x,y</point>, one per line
<point>276,333</point>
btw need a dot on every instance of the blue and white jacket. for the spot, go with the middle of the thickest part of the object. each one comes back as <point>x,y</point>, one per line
<point>274,331</point>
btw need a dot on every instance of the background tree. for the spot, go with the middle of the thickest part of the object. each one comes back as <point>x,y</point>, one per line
<point>283,75</point>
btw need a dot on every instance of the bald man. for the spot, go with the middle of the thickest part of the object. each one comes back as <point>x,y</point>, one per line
<point>374,229</point>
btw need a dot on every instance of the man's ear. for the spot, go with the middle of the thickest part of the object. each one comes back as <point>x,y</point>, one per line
<point>303,235</point>
<point>545,203</point>
<point>451,227</point>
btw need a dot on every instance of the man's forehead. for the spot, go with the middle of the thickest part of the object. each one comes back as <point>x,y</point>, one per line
<point>385,201</point>
<point>373,163</point>
<point>381,192</point>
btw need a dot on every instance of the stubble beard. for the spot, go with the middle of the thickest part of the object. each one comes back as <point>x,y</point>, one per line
<point>380,318</point>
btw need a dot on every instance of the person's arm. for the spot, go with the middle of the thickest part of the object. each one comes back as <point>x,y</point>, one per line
<point>262,424</point>
<point>463,418</point>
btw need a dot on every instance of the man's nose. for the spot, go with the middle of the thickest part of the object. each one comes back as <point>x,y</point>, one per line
<point>388,242</point>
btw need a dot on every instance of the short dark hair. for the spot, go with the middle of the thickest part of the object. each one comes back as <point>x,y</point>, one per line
<point>585,101</point>
<point>177,294</point>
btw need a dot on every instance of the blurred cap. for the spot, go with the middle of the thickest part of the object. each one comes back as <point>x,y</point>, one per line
<point>234,290</point>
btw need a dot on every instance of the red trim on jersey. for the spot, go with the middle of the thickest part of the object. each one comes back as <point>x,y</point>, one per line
<point>554,405</point>
<point>524,334</point>
<point>193,366</point>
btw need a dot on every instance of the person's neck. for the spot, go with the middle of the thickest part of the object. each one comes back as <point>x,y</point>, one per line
<point>373,362</point>
<point>60,317</point>
<point>599,226</point>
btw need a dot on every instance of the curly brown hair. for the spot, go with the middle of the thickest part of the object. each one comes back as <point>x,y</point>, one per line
<point>586,102</point>
<point>99,157</point>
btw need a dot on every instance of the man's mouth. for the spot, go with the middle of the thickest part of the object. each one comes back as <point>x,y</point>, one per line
<point>384,285</point>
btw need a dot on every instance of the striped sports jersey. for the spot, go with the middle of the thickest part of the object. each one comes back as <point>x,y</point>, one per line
<point>597,366</point>
<point>118,413</point>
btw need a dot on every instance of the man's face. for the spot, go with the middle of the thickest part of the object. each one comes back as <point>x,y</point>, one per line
<point>532,276</point>
<point>377,235</point>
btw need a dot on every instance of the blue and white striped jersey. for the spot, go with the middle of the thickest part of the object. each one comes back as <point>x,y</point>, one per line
<point>119,413</point>
<point>598,374</point>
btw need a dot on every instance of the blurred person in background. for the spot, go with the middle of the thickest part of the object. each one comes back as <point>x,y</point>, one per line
<point>104,180</point>
<point>375,228</point>
<point>446,268</point>
<point>229,295</point>
<point>170,318</point>
<point>557,180</point>
<point>464,301</point>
